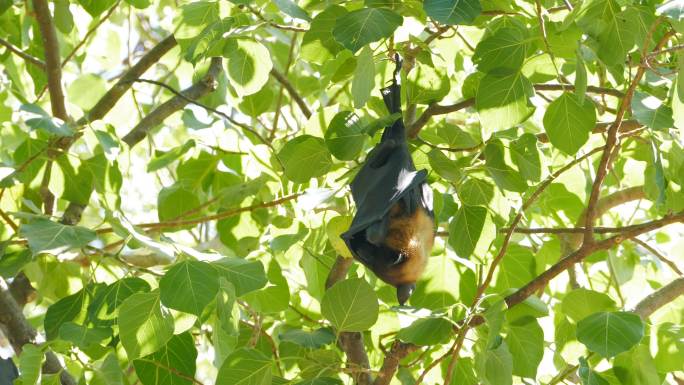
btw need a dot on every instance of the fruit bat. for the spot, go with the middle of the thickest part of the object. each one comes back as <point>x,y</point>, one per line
<point>393,230</point>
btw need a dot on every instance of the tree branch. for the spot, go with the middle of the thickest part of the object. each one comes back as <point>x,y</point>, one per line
<point>72,214</point>
<point>390,365</point>
<point>612,140</point>
<point>15,50</point>
<point>109,99</point>
<point>20,333</point>
<point>660,298</point>
<point>516,220</point>
<point>204,86</point>
<point>586,249</point>
<point>658,255</point>
<point>225,116</point>
<point>53,64</point>
<point>282,79</point>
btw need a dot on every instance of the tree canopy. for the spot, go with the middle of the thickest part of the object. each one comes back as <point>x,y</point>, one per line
<point>174,182</point>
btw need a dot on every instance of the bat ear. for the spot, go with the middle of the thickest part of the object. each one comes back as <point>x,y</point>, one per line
<point>404,291</point>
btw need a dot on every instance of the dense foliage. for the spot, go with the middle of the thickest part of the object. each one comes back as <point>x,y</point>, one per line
<point>173,184</point>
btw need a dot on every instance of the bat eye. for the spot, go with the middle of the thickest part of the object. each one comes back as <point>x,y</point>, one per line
<point>401,258</point>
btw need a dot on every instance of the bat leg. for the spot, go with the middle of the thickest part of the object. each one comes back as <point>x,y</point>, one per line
<point>377,232</point>
<point>382,153</point>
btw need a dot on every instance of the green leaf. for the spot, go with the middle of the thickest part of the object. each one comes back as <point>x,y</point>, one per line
<point>313,340</point>
<point>581,303</point>
<point>334,228</point>
<point>107,300</point>
<point>670,347</point>
<point>245,367</point>
<point>44,235</point>
<point>465,229</point>
<point>580,77</point>
<point>613,33</point>
<point>249,65</point>
<point>108,372</point>
<point>200,12</point>
<point>464,372</point>
<point>637,367</point>
<point>350,305</point>
<point>445,167</point>
<point>44,122</point>
<point>30,362</point>
<point>345,136</point>
<point>610,333</point>
<point>175,201</point>
<point>504,176</point>
<point>650,112</point>
<point>427,332</point>
<point>525,340</point>
<point>318,43</point>
<point>291,8</point>
<point>140,4</point>
<point>505,48</point>
<point>364,78</point>
<point>502,100</point>
<point>258,103</point>
<point>173,364</point>
<point>476,192</point>
<point>86,90</point>
<point>273,298</point>
<point>163,159</point>
<point>305,157</point>
<point>245,275</point>
<point>426,84</point>
<point>525,155</point>
<point>495,366</point>
<point>452,12</point>
<point>189,286</point>
<point>83,336</point>
<point>96,7</point>
<point>144,327</point>
<point>64,20</point>
<point>64,310</point>
<point>191,121</point>
<point>588,376</point>
<point>517,268</point>
<point>363,26</point>
<point>209,42</point>
<point>568,122</point>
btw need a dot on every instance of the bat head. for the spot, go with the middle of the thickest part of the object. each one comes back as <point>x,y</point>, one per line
<point>404,291</point>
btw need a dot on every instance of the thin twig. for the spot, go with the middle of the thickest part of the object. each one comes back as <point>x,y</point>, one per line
<point>29,58</point>
<point>90,32</point>
<point>183,95</point>
<point>292,91</point>
<point>209,218</point>
<point>658,255</point>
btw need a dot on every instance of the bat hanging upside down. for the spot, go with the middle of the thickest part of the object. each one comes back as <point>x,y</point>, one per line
<point>393,230</point>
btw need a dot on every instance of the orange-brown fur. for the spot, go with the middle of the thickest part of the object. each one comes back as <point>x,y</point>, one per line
<point>413,235</point>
